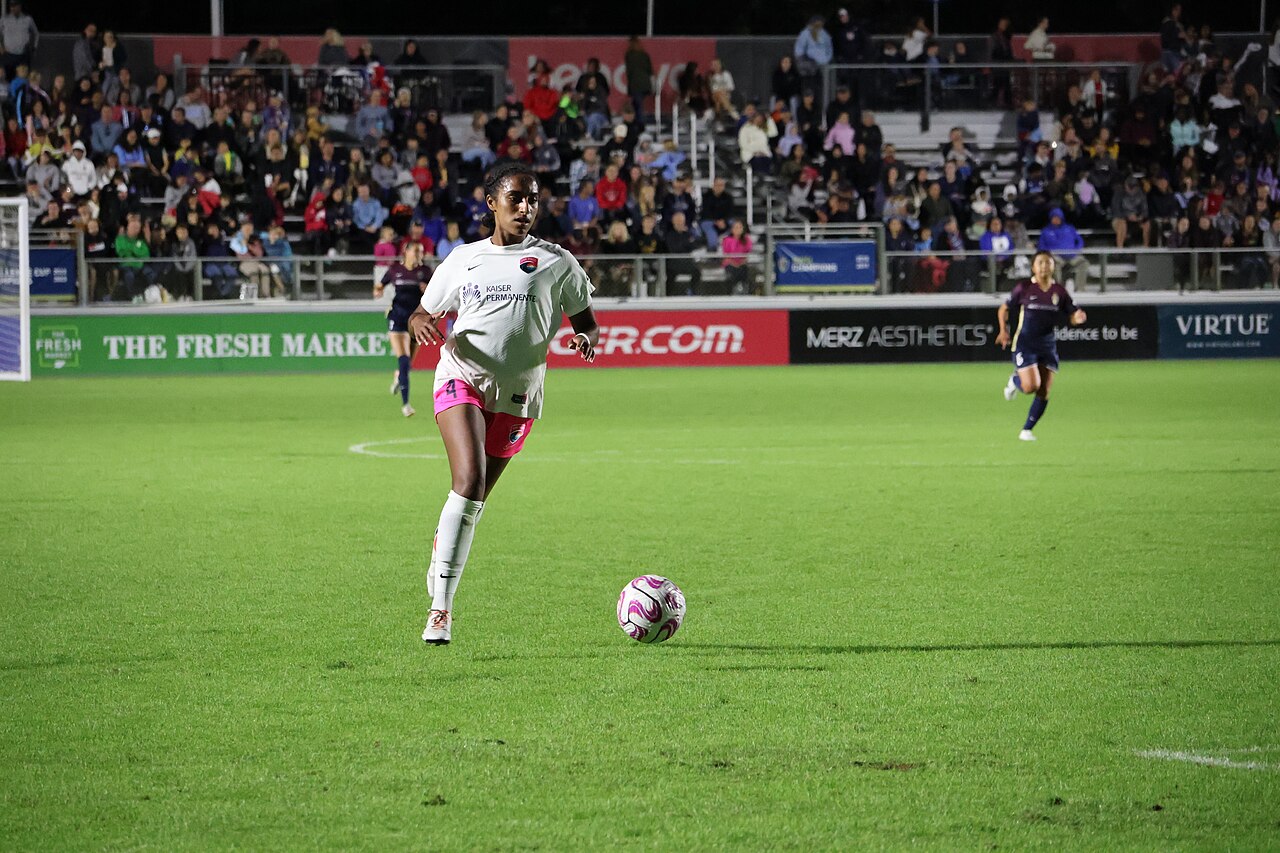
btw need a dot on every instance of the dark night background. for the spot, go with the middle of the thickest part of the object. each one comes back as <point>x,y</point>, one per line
<point>611,17</point>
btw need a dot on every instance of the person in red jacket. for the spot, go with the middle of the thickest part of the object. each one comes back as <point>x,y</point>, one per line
<point>542,100</point>
<point>316,224</point>
<point>611,194</point>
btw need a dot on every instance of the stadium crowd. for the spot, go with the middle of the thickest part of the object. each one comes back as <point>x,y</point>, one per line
<point>245,183</point>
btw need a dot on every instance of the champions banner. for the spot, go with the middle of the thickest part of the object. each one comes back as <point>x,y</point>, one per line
<point>830,266</point>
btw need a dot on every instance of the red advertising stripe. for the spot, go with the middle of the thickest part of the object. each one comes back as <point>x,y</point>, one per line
<point>568,59</point>
<point>671,339</point>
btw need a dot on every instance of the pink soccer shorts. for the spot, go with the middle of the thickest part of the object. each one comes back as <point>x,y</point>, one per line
<point>504,434</point>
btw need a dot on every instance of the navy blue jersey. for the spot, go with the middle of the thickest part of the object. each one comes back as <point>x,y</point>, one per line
<point>408,284</point>
<point>1039,312</point>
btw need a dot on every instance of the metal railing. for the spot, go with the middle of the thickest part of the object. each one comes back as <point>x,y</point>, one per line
<point>1093,269</point>
<point>344,89</point>
<point>313,278</point>
<point>973,86</point>
<point>321,277</point>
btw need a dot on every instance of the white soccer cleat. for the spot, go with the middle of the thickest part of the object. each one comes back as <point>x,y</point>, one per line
<point>407,410</point>
<point>395,385</point>
<point>437,631</point>
<point>1010,390</point>
<point>1026,435</point>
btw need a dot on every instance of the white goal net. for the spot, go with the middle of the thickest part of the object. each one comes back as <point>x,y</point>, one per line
<point>15,290</point>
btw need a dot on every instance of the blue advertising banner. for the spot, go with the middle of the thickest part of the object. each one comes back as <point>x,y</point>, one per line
<point>835,266</point>
<point>53,272</point>
<point>1229,330</point>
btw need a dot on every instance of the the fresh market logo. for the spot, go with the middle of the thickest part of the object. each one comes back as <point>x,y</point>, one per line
<point>57,347</point>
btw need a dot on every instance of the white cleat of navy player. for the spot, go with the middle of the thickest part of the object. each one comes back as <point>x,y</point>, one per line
<point>1026,435</point>
<point>437,631</point>
<point>408,411</point>
<point>1010,390</point>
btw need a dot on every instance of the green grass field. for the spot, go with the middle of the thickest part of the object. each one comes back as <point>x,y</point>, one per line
<point>905,627</point>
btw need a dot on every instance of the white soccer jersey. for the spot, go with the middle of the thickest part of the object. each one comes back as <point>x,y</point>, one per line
<point>509,300</point>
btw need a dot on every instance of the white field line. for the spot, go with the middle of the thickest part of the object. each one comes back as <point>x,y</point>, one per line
<point>776,455</point>
<point>370,448</point>
<point>1208,760</point>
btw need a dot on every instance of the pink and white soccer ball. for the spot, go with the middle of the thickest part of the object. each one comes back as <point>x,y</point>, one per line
<point>650,609</point>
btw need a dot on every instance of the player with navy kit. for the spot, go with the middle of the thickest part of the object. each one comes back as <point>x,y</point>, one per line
<point>409,278</point>
<point>1042,304</point>
<point>509,293</point>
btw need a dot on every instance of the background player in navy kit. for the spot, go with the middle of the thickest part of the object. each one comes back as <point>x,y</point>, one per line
<point>509,293</point>
<point>409,278</point>
<point>1042,303</point>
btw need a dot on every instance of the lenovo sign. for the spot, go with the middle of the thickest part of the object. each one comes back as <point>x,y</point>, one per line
<point>670,339</point>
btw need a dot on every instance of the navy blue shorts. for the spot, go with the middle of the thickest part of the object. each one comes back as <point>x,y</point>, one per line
<point>398,321</point>
<point>1045,357</point>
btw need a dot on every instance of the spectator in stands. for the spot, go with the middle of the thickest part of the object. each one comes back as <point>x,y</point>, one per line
<point>475,144</point>
<point>813,49</point>
<point>46,174</point>
<point>1129,211</point>
<point>373,120</point>
<point>639,74</point>
<point>611,194</point>
<point>120,83</point>
<point>735,247</point>
<point>160,94</point>
<point>680,240</point>
<point>333,50</point>
<point>680,200</point>
<point>367,216</point>
<point>228,168</point>
<point>936,208</point>
<point>1038,44</point>
<point>155,177</point>
<point>19,37</point>
<point>338,219</point>
<point>86,52</point>
<point>543,102</point>
<point>131,156</point>
<point>452,240</point>
<point>913,44</point>
<point>720,85</point>
<point>79,171</point>
<point>1062,239</point>
<point>105,133</point>
<point>753,145</point>
<point>381,176</point>
<point>786,82</point>
<point>218,266</point>
<point>840,135</point>
<point>1027,128</point>
<point>197,110</point>
<point>132,249</point>
<point>1000,50</point>
<point>475,209</point>
<point>717,212</point>
<point>584,210</point>
<point>692,91</point>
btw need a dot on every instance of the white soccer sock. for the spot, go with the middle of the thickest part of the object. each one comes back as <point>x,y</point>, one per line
<point>453,543</point>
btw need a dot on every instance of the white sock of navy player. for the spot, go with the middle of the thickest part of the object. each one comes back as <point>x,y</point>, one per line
<point>453,544</point>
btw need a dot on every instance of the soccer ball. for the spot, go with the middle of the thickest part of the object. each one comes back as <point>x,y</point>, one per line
<point>650,609</point>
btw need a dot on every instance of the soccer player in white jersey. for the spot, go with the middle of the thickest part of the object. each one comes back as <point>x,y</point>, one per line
<point>509,292</point>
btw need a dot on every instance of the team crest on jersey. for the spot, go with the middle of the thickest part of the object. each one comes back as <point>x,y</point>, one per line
<point>529,263</point>
<point>470,291</point>
<point>516,432</point>
<point>1055,299</point>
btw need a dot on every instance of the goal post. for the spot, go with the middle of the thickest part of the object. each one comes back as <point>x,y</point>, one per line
<point>15,290</point>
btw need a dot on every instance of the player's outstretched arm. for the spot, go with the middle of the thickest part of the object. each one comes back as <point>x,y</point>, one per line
<point>1002,323</point>
<point>586,334</point>
<point>424,327</point>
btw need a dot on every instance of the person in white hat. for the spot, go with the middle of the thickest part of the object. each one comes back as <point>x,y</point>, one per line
<point>79,171</point>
